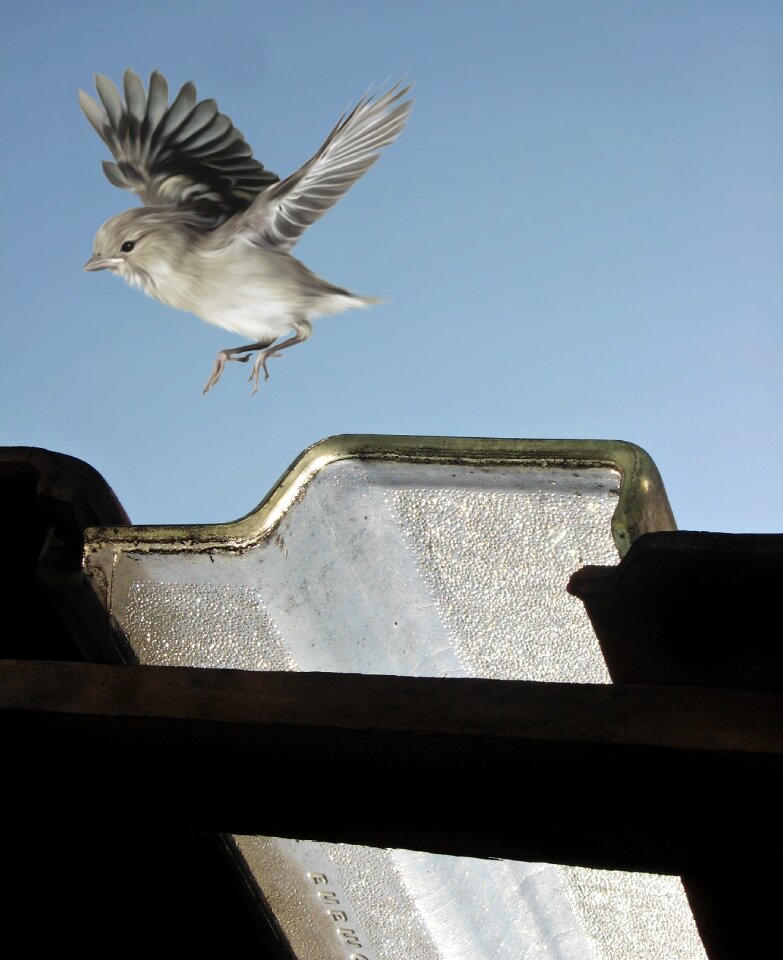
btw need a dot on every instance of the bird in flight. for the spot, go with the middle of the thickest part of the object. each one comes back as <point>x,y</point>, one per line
<point>215,233</point>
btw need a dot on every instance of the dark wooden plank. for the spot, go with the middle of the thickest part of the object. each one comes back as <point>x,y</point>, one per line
<point>690,608</point>
<point>613,776</point>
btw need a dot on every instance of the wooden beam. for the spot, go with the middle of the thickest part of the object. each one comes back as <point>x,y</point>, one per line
<point>627,777</point>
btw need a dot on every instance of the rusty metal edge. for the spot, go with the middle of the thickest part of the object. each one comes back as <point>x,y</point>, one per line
<point>642,504</point>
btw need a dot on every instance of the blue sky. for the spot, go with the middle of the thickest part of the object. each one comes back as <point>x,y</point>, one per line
<point>579,234</point>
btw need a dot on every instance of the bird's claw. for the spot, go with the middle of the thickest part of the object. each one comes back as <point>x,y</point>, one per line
<point>217,369</point>
<point>260,363</point>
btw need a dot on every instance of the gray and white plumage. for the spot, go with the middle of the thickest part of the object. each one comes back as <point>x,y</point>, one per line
<point>215,234</point>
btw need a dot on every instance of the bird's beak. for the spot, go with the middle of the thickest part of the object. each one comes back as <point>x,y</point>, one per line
<point>97,262</point>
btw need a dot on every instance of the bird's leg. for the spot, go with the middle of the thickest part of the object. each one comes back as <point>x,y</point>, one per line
<point>231,354</point>
<point>302,330</point>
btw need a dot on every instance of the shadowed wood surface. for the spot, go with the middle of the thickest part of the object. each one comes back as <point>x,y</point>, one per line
<point>631,777</point>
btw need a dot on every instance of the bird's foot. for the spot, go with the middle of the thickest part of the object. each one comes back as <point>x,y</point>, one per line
<point>259,365</point>
<point>220,362</point>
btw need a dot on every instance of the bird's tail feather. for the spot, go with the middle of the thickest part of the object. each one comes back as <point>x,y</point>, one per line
<point>343,300</point>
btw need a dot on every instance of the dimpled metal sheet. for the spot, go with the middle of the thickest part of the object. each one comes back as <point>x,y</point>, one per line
<point>423,565</point>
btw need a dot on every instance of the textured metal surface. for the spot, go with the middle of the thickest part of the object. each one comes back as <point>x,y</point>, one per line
<point>456,908</point>
<point>438,557</point>
<point>405,565</point>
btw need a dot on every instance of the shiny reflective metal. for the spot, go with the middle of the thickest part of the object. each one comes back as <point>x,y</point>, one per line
<point>402,555</point>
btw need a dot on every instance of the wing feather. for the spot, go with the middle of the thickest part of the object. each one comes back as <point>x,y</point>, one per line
<point>280,214</point>
<point>181,108</point>
<point>114,175</point>
<point>111,100</point>
<point>92,111</point>
<point>157,100</point>
<point>183,154</point>
<point>135,98</point>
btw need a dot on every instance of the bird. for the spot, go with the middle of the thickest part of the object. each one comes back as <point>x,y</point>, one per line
<point>216,228</point>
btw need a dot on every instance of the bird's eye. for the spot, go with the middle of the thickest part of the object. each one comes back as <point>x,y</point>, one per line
<point>127,246</point>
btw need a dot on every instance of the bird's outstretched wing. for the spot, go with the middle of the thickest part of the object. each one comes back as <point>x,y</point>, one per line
<point>186,154</point>
<point>281,214</point>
